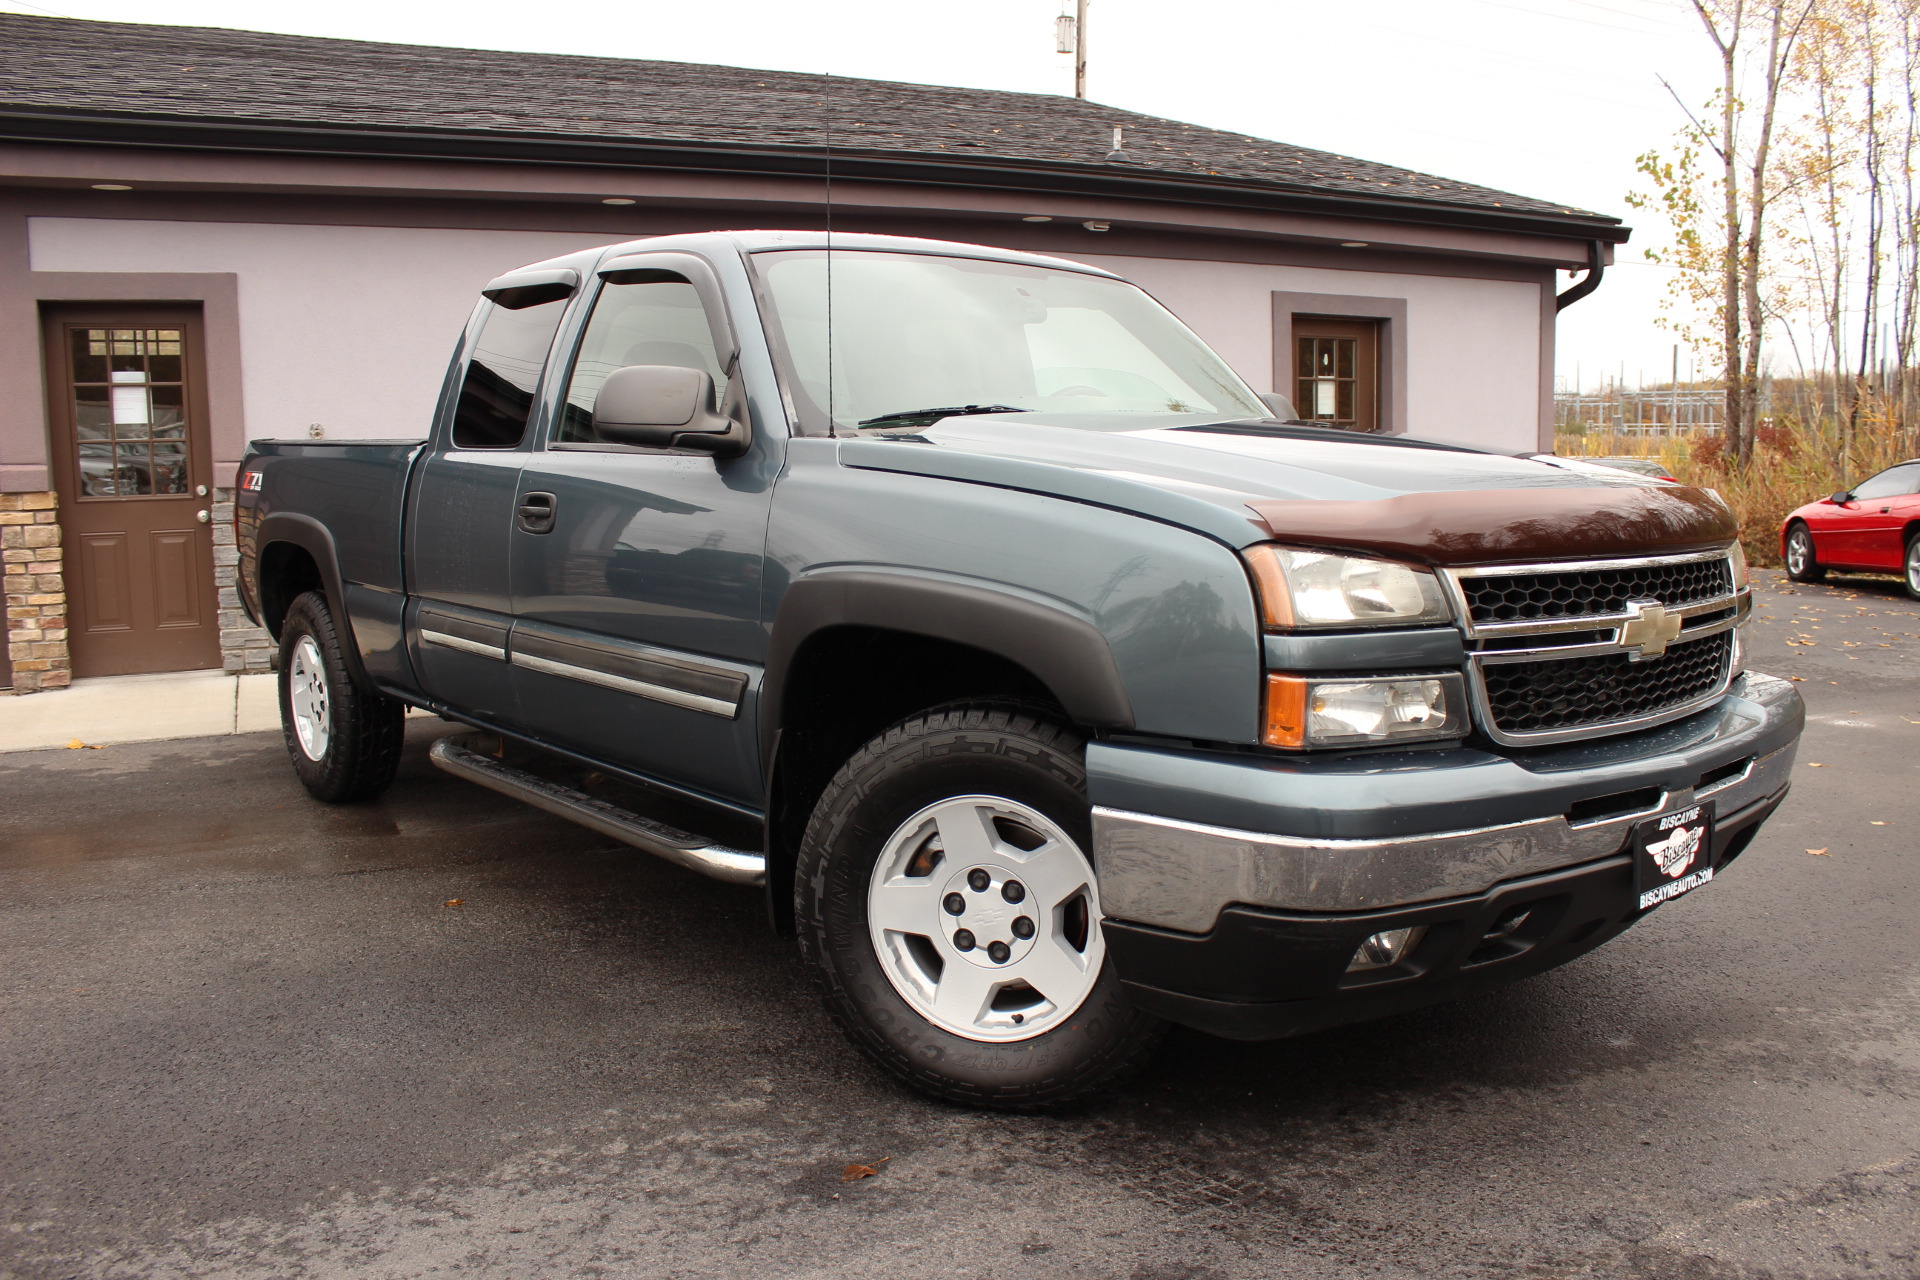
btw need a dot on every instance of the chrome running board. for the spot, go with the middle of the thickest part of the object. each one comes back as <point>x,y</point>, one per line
<point>456,755</point>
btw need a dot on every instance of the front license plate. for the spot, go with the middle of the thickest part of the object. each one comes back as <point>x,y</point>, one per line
<point>1673,854</point>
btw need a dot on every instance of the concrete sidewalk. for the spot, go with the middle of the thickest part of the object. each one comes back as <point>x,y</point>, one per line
<point>111,709</point>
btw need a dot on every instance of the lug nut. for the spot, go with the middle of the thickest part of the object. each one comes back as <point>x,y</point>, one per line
<point>979,880</point>
<point>1013,891</point>
<point>954,903</point>
<point>1023,927</point>
<point>963,940</point>
<point>998,952</point>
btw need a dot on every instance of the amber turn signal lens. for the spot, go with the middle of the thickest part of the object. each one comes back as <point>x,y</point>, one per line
<point>1286,712</point>
<point>1276,598</point>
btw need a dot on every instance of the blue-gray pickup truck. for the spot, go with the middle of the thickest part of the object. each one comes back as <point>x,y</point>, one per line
<point>1053,684</point>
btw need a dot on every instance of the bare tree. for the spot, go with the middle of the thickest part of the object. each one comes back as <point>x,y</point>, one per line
<point>1730,275</point>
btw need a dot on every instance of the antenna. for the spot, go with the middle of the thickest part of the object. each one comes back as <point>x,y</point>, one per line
<point>1070,36</point>
<point>826,105</point>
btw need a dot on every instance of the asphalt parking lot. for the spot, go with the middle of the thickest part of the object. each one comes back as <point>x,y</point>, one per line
<point>243,1034</point>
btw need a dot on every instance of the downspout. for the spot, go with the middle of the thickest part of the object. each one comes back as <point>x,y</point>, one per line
<point>1596,267</point>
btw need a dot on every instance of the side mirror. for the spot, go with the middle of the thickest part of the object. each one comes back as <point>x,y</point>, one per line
<point>1843,495</point>
<point>663,406</point>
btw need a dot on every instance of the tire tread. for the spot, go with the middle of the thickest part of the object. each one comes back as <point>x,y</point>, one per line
<point>368,728</point>
<point>1010,729</point>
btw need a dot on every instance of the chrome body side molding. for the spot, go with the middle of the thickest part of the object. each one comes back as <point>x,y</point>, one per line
<point>674,678</point>
<point>445,640</point>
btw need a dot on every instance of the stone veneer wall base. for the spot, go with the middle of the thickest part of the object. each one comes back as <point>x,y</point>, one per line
<point>243,646</point>
<point>36,590</point>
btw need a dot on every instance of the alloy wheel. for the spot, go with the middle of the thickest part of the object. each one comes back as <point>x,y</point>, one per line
<point>1799,551</point>
<point>985,916</point>
<point>307,696</point>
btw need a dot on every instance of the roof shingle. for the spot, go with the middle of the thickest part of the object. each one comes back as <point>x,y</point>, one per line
<point>130,69</point>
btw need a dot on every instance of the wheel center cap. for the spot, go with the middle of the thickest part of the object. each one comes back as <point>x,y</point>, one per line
<point>987,928</point>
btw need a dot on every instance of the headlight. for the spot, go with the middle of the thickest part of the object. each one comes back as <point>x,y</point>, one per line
<point>1304,711</point>
<point>1300,589</point>
<point>1737,562</point>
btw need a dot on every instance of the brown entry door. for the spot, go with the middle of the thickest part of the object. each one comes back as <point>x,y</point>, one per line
<point>134,467</point>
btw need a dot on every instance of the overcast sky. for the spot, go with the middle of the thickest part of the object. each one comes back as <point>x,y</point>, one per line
<point>1548,98</point>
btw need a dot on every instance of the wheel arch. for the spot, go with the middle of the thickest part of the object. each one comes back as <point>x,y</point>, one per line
<point>854,651</point>
<point>1786,531</point>
<point>297,554</point>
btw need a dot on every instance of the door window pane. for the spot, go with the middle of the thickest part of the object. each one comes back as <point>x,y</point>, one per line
<point>1326,384</point>
<point>496,396</point>
<point>1891,483</point>
<point>1336,368</point>
<point>657,322</point>
<point>127,390</point>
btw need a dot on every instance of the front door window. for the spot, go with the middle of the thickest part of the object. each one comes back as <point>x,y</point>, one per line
<point>129,412</point>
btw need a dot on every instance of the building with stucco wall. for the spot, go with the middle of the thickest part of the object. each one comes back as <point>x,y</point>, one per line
<point>209,236</point>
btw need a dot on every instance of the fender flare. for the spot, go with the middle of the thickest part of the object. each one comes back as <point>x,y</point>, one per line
<point>1066,653</point>
<point>311,536</point>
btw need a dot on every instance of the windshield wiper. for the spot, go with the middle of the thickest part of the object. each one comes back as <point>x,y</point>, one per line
<point>922,417</point>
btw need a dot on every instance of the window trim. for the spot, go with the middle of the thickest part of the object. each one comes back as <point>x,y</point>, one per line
<point>1390,396</point>
<point>448,413</point>
<point>692,268</point>
<point>1911,478</point>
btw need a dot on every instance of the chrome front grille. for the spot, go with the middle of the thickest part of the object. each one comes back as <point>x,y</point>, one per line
<point>1593,592</point>
<point>1583,649</point>
<point>1569,693</point>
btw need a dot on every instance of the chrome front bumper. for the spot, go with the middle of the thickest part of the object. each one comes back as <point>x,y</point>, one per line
<point>1177,873</point>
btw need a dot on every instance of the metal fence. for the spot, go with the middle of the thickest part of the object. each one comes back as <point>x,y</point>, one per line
<point>1648,411</point>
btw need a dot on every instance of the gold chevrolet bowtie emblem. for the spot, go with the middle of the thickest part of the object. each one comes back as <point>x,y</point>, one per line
<point>1649,629</point>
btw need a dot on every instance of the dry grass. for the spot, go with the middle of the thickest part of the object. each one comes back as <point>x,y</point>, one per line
<point>1792,467</point>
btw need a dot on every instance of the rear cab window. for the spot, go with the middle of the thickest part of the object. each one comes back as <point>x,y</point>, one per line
<point>496,395</point>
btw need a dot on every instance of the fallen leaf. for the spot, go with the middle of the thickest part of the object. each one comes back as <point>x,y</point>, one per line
<point>855,1172</point>
<point>456,902</point>
<point>1801,679</point>
<point>1819,853</point>
<point>1876,824</point>
<point>1815,764</point>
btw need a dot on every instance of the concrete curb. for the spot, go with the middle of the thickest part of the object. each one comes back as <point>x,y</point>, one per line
<point>150,708</point>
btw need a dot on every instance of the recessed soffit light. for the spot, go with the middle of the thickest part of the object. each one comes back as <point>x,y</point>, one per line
<point>111,186</point>
<point>1353,244</point>
<point>1036,217</point>
<point>617,200</point>
<point>1098,226</point>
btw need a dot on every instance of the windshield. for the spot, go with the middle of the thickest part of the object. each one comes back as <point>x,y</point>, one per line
<point>915,332</point>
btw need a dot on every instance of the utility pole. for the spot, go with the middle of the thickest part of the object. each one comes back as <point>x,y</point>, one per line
<point>1080,48</point>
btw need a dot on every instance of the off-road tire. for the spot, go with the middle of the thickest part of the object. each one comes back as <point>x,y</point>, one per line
<point>1810,570</point>
<point>364,736</point>
<point>962,749</point>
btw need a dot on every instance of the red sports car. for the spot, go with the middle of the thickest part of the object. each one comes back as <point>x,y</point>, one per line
<point>1874,526</point>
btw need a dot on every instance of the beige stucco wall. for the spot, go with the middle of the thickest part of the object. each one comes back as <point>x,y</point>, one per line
<point>1473,346</point>
<point>351,326</point>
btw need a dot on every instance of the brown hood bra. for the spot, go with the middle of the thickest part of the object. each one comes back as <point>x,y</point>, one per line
<point>1506,526</point>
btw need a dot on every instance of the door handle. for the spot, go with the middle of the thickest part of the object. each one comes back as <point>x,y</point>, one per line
<point>536,512</point>
<point>202,516</point>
